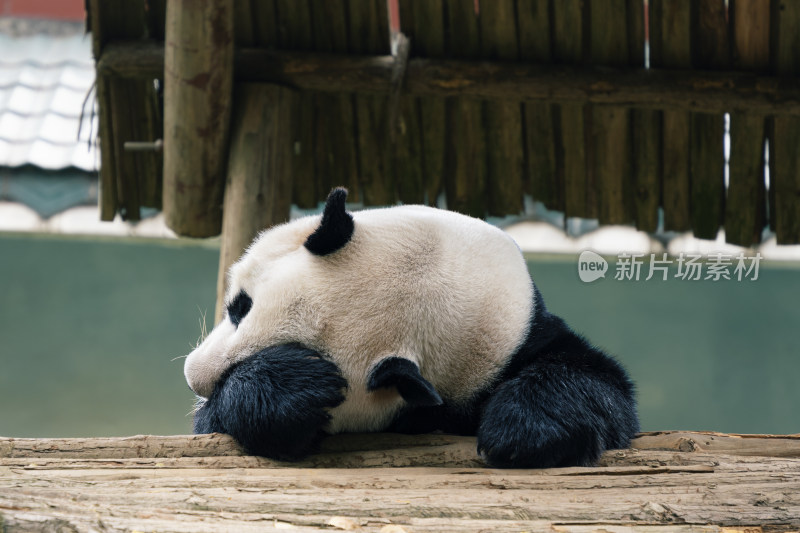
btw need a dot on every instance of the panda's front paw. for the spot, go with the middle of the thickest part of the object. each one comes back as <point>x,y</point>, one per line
<point>274,402</point>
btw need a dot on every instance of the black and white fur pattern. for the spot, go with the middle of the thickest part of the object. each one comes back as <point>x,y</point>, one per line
<point>407,319</point>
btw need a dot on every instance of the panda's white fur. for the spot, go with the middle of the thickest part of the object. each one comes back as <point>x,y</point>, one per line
<point>446,291</point>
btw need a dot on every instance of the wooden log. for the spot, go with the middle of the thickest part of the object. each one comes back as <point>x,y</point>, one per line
<point>423,22</point>
<point>465,163</point>
<point>570,32</point>
<point>541,174</point>
<point>685,482</point>
<point>369,34</point>
<point>611,125</point>
<point>784,156</point>
<point>745,204</point>
<point>673,19</point>
<point>710,50</point>
<point>658,88</point>
<point>198,69</point>
<point>259,181</point>
<point>504,136</point>
<point>218,445</point>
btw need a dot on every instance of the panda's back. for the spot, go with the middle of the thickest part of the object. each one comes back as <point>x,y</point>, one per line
<point>448,291</point>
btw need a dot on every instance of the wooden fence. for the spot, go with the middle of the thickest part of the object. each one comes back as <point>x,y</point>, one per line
<point>542,97</point>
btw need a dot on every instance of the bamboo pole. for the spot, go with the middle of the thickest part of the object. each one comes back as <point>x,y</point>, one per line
<point>198,72</point>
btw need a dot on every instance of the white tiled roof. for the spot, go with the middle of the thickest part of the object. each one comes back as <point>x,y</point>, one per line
<point>44,83</point>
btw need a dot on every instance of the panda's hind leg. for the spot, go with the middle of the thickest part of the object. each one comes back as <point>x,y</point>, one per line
<point>564,406</point>
<point>275,402</point>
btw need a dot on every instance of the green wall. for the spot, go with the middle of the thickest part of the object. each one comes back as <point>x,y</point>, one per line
<point>89,330</point>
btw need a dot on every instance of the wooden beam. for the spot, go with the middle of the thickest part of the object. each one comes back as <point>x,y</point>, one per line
<point>676,89</point>
<point>198,73</point>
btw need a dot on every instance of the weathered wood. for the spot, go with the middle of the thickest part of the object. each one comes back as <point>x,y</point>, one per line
<point>784,156</point>
<point>745,203</point>
<point>259,181</point>
<point>685,482</point>
<point>293,26</point>
<point>710,50</point>
<point>569,44</point>
<point>707,168</point>
<point>541,174</point>
<point>673,20</point>
<point>335,141</point>
<point>750,33</point>
<point>423,22</point>
<point>123,116</point>
<point>465,163</point>
<point>647,167</point>
<point>611,151</point>
<point>659,88</point>
<point>646,131</point>
<point>198,71</point>
<point>369,34</point>
<point>218,445</point>
<point>504,136</point>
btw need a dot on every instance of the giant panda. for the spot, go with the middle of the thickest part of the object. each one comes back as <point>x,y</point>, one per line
<point>404,319</point>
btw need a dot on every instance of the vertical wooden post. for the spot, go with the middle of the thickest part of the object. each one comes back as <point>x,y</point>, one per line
<point>335,153</point>
<point>670,45</point>
<point>504,141</point>
<point>423,22</point>
<point>646,134</point>
<point>569,45</point>
<point>535,45</point>
<point>369,34</point>
<point>611,125</point>
<point>465,171</point>
<point>258,188</point>
<point>710,49</point>
<point>745,206</point>
<point>198,71</point>
<point>784,155</point>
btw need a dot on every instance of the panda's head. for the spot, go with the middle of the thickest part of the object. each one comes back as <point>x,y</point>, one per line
<point>266,301</point>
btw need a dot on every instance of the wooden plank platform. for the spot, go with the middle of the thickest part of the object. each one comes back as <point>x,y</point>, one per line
<point>668,481</point>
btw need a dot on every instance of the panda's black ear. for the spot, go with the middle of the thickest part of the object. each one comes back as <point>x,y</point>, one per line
<point>404,375</point>
<point>336,227</point>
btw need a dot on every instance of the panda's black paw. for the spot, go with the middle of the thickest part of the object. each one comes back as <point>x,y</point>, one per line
<point>274,403</point>
<point>555,416</point>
